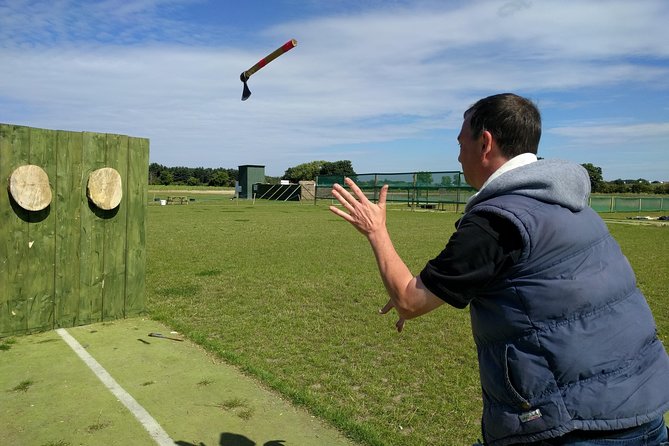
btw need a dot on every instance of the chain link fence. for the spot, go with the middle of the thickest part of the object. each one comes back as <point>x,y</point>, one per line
<point>446,190</point>
<point>610,203</point>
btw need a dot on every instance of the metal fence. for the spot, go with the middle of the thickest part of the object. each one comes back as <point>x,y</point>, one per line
<point>448,190</point>
<point>606,203</point>
<point>429,190</point>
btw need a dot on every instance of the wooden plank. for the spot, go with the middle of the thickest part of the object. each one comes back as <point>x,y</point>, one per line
<point>39,283</point>
<point>136,201</point>
<point>67,203</point>
<point>17,240</point>
<point>8,221</point>
<point>116,155</point>
<point>91,261</point>
<point>16,152</point>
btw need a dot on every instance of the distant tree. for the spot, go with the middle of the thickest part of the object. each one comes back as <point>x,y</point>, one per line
<point>203,174</point>
<point>596,178</point>
<point>181,174</point>
<point>618,186</point>
<point>310,170</point>
<point>304,171</point>
<point>606,187</point>
<point>640,187</point>
<point>219,178</point>
<point>155,170</point>
<point>423,178</point>
<point>159,174</point>
<point>234,176</point>
<point>343,168</point>
<point>166,177</point>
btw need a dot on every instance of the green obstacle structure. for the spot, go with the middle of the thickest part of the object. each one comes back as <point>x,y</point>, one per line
<point>72,228</point>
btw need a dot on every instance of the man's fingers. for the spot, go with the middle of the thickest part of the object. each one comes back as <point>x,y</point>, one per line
<point>387,307</point>
<point>343,197</point>
<point>335,210</point>
<point>356,190</point>
<point>382,195</point>
<point>341,193</point>
<point>399,325</point>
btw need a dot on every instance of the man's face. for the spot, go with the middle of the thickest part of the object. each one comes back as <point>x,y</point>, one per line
<point>470,154</point>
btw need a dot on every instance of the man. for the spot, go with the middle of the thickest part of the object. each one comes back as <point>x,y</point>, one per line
<point>567,345</point>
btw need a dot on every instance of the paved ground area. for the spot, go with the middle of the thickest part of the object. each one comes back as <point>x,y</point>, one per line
<point>49,396</point>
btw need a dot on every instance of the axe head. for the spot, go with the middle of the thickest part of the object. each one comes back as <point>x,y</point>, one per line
<point>246,93</point>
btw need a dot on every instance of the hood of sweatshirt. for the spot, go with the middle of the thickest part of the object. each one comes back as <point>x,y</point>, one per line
<point>552,181</point>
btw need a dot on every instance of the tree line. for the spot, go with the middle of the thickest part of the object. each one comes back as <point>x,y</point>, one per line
<point>207,176</point>
<point>620,186</point>
<point>192,176</point>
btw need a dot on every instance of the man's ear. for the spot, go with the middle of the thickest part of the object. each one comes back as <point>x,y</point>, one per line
<point>487,143</point>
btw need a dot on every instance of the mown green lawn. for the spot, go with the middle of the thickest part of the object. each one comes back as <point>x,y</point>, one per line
<point>290,294</point>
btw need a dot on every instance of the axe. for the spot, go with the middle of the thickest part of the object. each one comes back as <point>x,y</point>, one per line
<point>261,63</point>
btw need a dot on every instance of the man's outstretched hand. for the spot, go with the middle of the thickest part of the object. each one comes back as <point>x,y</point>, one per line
<point>365,216</point>
<point>369,219</point>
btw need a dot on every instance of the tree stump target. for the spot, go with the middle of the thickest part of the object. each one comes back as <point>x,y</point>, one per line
<point>29,187</point>
<point>105,189</point>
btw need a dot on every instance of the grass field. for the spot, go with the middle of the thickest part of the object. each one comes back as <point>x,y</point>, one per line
<point>289,293</point>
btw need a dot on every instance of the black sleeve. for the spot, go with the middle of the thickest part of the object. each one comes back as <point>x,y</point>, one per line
<point>482,249</point>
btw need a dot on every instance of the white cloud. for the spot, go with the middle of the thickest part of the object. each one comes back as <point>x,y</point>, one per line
<point>360,76</point>
<point>598,135</point>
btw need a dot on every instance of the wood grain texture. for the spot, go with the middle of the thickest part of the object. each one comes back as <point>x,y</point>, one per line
<point>29,186</point>
<point>105,188</point>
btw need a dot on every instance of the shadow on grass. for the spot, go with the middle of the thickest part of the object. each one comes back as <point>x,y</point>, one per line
<point>230,439</point>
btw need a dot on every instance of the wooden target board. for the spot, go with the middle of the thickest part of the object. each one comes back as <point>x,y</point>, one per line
<point>72,227</point>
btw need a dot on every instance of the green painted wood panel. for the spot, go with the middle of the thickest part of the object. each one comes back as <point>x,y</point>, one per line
<point>136,202</point>
<point>8,220</point>
<point>113,297</point>
<point>40,249</point>
<point>68,210</point>
<point>92,235</point>
<point>17,240</point>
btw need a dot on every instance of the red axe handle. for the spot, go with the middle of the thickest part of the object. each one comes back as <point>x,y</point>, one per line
<point>267,59</point>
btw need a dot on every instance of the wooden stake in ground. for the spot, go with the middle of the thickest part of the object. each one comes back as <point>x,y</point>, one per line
<point>29,187</point>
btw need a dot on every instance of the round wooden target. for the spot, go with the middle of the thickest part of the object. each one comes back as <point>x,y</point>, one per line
<point>105,188</point>
<point>29,187</point>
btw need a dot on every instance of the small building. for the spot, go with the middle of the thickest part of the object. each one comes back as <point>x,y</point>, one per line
<point>248,176</point>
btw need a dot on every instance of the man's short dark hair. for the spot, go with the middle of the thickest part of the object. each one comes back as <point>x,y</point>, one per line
<point>513,121</point>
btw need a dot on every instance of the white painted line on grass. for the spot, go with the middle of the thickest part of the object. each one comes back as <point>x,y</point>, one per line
<point>150,424</point>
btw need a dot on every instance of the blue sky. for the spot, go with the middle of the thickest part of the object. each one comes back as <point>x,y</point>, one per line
<point>380,83</point>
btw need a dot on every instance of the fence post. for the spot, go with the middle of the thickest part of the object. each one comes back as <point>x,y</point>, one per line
<point>413,192</point>
<point>457,195</point>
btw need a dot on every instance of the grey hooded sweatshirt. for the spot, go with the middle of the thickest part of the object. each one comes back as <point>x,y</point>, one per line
<point>566,340</point>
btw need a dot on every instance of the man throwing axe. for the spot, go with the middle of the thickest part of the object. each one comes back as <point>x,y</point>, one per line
<point>567,345</point>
